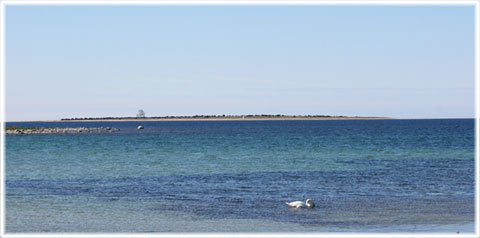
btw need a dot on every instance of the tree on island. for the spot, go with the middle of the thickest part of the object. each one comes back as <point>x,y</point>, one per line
<point>141,113</point>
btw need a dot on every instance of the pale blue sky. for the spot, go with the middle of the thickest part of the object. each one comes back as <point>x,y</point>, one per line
<point>95,61</point>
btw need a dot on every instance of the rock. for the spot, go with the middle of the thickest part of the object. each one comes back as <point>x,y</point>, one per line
<point>140,127</point>
<point>61,130</point>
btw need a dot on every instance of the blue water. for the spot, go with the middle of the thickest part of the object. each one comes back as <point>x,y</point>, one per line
<point>235,176</point>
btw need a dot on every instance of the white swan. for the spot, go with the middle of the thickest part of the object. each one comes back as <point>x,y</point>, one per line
<point>299,204</point>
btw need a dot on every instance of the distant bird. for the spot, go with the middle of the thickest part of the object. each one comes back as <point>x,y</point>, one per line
<point>299,204</point>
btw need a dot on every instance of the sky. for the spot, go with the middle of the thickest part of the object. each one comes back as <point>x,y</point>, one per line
<point>102,61</point>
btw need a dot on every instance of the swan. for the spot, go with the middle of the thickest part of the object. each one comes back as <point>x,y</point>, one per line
<point>299,204</point>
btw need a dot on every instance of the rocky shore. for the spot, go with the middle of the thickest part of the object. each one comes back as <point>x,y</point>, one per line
<point>60,130</point>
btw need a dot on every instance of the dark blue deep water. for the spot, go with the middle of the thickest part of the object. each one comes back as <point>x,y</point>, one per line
<point>235,176</point>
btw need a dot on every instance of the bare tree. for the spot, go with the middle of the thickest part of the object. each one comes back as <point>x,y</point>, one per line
<point>141,113</point>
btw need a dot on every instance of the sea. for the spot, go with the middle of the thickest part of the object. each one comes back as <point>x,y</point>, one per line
<point>365,176</point>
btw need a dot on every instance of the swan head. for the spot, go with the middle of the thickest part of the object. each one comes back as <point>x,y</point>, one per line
<point>310,203</point>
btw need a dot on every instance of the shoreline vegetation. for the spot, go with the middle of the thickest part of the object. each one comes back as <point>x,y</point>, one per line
<point>226,117</point>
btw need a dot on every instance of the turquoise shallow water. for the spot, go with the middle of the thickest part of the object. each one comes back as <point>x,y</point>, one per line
<point>235,176</point>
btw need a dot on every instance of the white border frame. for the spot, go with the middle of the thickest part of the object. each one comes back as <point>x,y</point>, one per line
<point>3,4</point>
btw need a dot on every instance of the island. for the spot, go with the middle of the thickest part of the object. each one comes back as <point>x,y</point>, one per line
<point>227,117</point>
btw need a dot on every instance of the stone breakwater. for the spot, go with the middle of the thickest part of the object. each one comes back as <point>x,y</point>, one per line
<point>61,130</point>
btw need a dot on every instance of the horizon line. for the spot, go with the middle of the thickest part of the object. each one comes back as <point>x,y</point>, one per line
<point>235,119</point>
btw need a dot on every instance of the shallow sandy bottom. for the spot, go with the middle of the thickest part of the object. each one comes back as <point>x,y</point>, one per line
<point>126,217</point>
